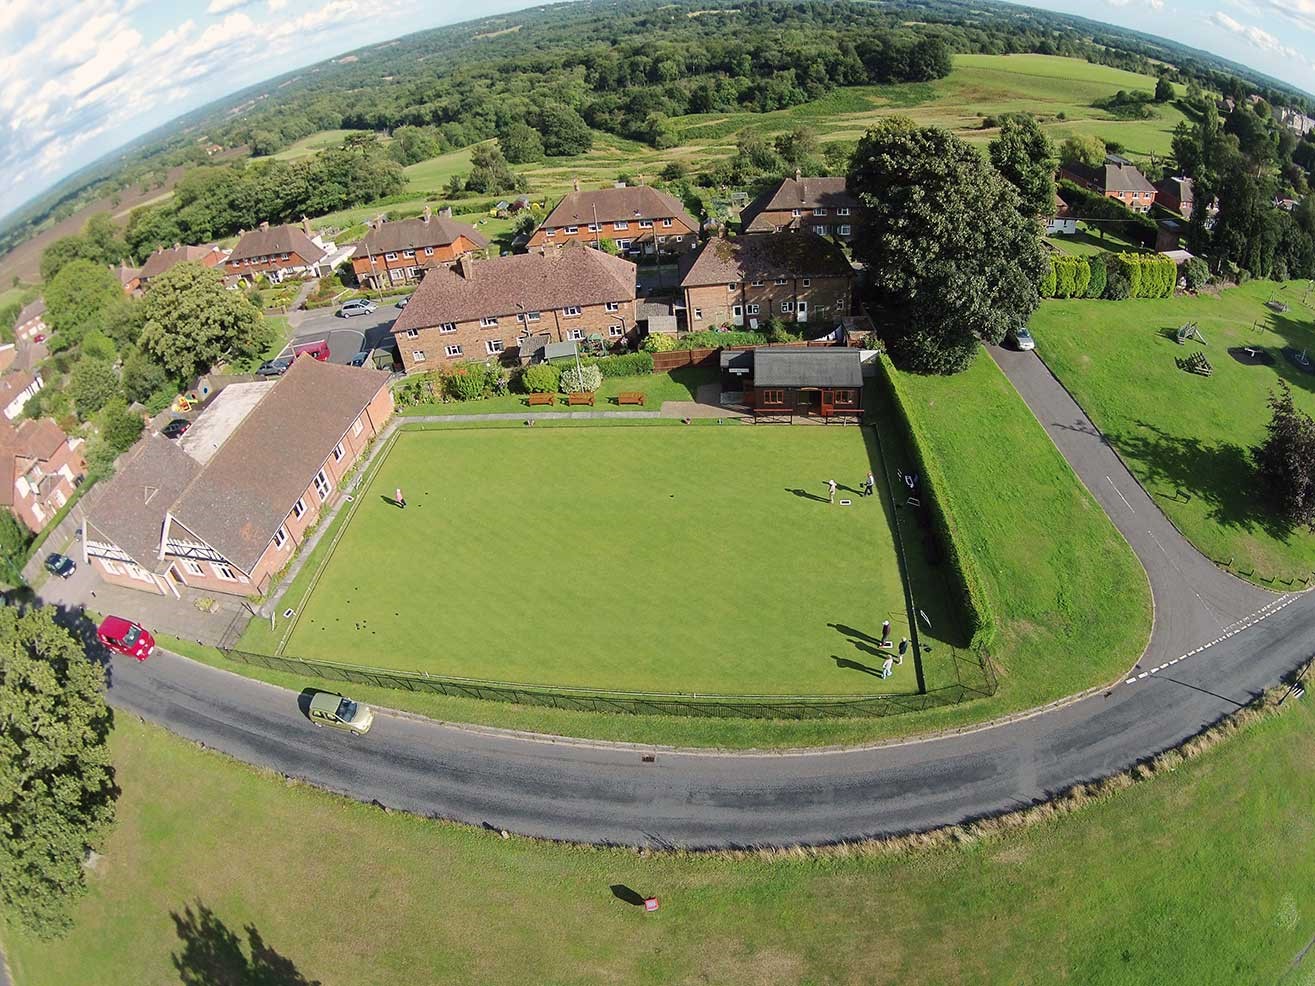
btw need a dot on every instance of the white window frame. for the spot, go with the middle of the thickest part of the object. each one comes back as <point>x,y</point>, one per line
<point>453,351</point>
<point>575,335</point>
<point>572,230</point>
<point>193,567</point>
<point>822,230</point>
<point>756,283</point>
<point>280,537</point>
<point>548,234</point>
<point>488,322</point>
<point>751,309</point>
<point>299,508</point>
<point>448,327</point>
<point>322,486</point>
<point>819,212</point>
<point>807,282</point>
<point>571,311</point>
<point>787,307</point>
<point>417,356</point>
<point>698,314</point>
<point>796,212</point>
<point>842,210</point>
<point>737,311</point>
<point>843,230</point>
<point>358,427</point>
<point>594,228</point>
<point>645,224</point>
<point>413,333</point>
<point>408,253</point>
<point>338,452</point>
<point>429,251</point>
<point>493,346</point>
<point>390,256</point>
<point>666,224</point>
<point>223,571</point>
<point>615,331</point>
<point>733,286</point>
<point>109,567</point>
<point>612,306</point>
<point>779,281</point>
<point>620,224</point>
<point>528,316</point>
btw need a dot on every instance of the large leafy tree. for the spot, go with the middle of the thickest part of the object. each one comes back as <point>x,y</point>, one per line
<point>1027,159</point>
<point>194,322</point>
<point>1285,460</point>
<point>1085,149</point>
<point>520,143</point>
<point>564,131</point>
<point>56,784</point>
<point>80,296</point>
<point>951,259</point>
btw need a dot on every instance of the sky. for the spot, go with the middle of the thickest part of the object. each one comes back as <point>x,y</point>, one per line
<point>80,78</point>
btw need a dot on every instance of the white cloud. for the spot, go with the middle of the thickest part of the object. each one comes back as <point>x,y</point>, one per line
<point>1298,12</point>
<point>1257,37</point>
<point>224,6</point>
<point>1147,4</point>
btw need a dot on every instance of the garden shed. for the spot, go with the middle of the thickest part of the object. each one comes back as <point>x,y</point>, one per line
<point>794,380</point>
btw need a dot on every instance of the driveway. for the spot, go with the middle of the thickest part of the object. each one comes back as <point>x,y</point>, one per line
<point>346,336</point>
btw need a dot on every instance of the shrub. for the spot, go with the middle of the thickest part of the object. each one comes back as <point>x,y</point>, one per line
<point>1196,272</point>
<point>471,381</point>
<point>712,340</point>
<point>588,378</point>
<point>1117,287</point>
<point>1048,279</point>
<point>1149,275</point>
<point>626,365</point>
<point>659,342</point>
<point>542,378</point>
<point>1243,275</point>
<point>1096,270</point>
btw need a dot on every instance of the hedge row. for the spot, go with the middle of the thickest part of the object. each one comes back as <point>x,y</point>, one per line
<point>964,578</point>
<point>1069,277</point>
<point>1150,275</point>
<point>625,365</point>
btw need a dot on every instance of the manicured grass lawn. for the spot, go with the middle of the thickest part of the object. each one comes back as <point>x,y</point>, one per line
<point>432,176</point>
<point>1088,241</point>
<point>1198,876</point>
<point>673,559</point>
<point>1071,599</point>
<point>679,385</point>
<point>1187,438</point>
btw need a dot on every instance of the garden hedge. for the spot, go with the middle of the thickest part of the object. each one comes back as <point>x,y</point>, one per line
<point>964,578</point>
<point>1150,275</point>
<point>626,365</point>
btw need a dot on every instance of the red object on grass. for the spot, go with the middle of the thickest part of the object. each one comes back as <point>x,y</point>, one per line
<point>650,903</point>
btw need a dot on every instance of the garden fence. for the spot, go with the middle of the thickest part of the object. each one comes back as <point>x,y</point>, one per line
<point>647,703</point>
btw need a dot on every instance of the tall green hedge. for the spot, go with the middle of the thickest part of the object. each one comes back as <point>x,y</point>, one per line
<point>1150,275</point>
<point>963,578</point>
<point>1066,277</point>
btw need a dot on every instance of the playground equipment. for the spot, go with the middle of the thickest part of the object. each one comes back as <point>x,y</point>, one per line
<point>1190,331</point>
<point>1196,363</point>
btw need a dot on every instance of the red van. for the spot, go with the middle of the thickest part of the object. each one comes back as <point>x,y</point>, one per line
<point>319,349</point>
<point>125,637</point>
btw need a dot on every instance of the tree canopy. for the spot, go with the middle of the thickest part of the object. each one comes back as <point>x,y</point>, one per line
<point>56,783</point>
<point>80,296</point>
<point>951,259</point>
<point>1285,460</point>
<point>1024,155</point>
<point>1085,149</point>
<point>194,322</point>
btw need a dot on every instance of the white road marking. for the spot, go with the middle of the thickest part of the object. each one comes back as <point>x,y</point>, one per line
<point>1121,496</point>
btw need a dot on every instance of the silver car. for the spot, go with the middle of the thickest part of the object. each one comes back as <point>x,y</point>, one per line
<point>357,306</point>
<point>1021,339</point>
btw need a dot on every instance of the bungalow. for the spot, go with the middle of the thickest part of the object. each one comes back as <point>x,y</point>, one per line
<point>400,252</point>
<point>796,275</point>
<point>1116,179</point>
<point>166,259</point>
<point>482,309</point>
<point>31,321</point>
<point>225,508</point>
<point>790,380</point>
<point>821,205</point>
<point>16,389</point>
<point>40,467</point>
<point>639,219</point>
<point>1176,194</point>
<point>1062,221</point>
<point>279,252</point>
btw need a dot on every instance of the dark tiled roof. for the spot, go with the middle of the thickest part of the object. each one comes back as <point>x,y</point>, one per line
<point>162,260</point>
<point>530,282</point>
<point>610,205</point>
<point>248,487</point>
<point>31,310</point>
<point>764,255</point>
<point>809,193</point>
<point>275,241</point>
<point>413,234</point>
<point>789,367</point>
<point>1111,177</point>
<point>129,509</point>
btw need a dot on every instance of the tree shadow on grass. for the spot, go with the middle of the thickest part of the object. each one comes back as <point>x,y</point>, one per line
<point>1299,336</point>
<point>1220,475</point>
<point>212,954</point>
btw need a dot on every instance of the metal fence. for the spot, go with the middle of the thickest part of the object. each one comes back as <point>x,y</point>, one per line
<point>641,703</point>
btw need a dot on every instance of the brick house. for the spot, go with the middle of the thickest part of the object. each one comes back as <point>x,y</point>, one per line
<point>798,276</point>
<point>279,252</point>
<point>638,219</point>
<point>40,467</point>
<point>479,309</point>
<point>399,252</point>
<point>31,321</point>
<point>16,389</point>
<point>165,259</point>
<point>225,508</point>
<point>821,205</point>
<point>1116,179</point>
<point>129,277</point>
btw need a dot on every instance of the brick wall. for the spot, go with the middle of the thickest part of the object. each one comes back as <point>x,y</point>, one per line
<point>679,237</point>
<point>707,306</point>
<point>383,269</point>
<point>831,221</point>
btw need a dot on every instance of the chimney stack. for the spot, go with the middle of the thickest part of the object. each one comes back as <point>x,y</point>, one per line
<point>446,212</point>
<point>264,226</point>
<point>428,214</point>
<point>466,267</point>
<point>798,174</point>
<point>576,183</point>
<point>305,225</point>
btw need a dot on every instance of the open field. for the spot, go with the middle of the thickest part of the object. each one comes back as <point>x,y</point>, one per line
<point>1127,891</point>
<point>1187,438</point>
<point>314,143</point>
<point>667,559</point>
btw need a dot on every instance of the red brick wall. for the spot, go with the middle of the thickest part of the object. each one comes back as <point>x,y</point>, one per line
<point>675,233</point>
<point>827,298</point>
<point>444,254</point>
<point>243,269</point>
<point>782,218</point>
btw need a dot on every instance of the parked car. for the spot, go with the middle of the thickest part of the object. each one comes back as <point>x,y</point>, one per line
<point>329,709</point>
<point>125,637</point>
<point>1021,339</point>
<point>357,306</point>
<point>275,367</point>
<point>61,565</point>
<point>401,302</point>
<point>360,358</point>
<point>319,349</point>
<point>39,337</point>
<point>176,428</point>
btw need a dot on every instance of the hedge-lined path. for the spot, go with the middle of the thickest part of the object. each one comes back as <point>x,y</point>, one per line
<point>1194,599</point>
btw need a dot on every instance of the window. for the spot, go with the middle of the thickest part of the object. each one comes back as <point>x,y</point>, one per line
<point>321,484</point>
<point>819,212</point>
<point>280,538</point>
<point>572,230</point>
<point>448,327</point>
<point>338,452</point>
<point>488,322</point>
<point>413,333</point>
<point>698,314</point>
<point>645,224</point>
<point>299,508</point>
<point>358,427</point>
<point>795,212</point>
<point>842,211</point>
<point>623,244</point>
<point>571,311</point>
<point>621,224</point>
<point>773,396</point>
<point>575,335</point>
<point>397,274</point>
<point>843,230</point>
<point>593,227</point>
<point>844,397</point>
<point>529,316</point>
<point>548,234</point>
<point>408,253</point>
<point>751,309</point>
<point>787,306</point>
<point>109,567</point>
<point>429,251</point>
<point>822,230</point>
<point>452,352</point>
<point>412,271</point>
<point>807,282</point>
<point>493,347</point>
<point>613,306</point>
<point>757,283</point>
<point>732,285</point>
<point>615,331</point>
<point>223,571</point>
<point>192,568</point>
<point>779,281</point>
<point>390,256</point>
<point>737,311</point>
<point>666,224</point>
<point>417,356</point>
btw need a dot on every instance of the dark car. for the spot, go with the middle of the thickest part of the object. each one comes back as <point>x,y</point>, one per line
<point>176,428</point>
<point>275,367</point>
<point>61,565</point>
<point>360,358</point>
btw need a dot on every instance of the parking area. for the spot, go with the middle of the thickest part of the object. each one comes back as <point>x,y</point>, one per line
<point>346,336</point>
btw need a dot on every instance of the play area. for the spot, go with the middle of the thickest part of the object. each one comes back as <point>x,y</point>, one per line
<point>705,559</point>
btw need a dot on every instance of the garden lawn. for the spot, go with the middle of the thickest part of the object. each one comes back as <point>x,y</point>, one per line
<point>1187,438</point>
<point>1197,876</point>
<point>679,385</point>
<point>651,558</point>
<point>1072,602</point>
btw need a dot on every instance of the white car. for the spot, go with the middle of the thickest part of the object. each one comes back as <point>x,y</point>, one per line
<point>357,306</point>
<point>1022,339</point>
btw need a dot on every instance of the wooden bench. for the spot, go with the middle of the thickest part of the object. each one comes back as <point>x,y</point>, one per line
<point>537,399</point>
<point>580,397</point>
<point>631,397</point>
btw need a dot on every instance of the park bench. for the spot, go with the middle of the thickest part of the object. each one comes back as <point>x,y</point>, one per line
<point>631,397</point>
<point>537,399</point>
<point>580,397</point>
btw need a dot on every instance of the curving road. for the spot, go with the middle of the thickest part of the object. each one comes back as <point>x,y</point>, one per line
<point>610,794</point>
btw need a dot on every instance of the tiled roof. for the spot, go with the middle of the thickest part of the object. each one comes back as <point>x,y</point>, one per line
<point>248,487</point>
<point>809,193</point>
<point>38,440</point>
<point>527,282</point>
<point>1112,177</point>
<point>31,310</point>
<point>274,241</point>
<point>608,205</point>
<point>13,384</point>
<point>763,255</point>
<point>412,234</point>
<point>162,260</point>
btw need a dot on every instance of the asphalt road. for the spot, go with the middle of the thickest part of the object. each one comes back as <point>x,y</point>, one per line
<point>600,793</point>
<point>346,336</point>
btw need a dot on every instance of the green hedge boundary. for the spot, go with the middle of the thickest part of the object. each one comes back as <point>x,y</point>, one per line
<point>965,578</point>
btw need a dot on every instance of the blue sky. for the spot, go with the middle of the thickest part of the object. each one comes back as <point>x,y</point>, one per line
<point>79,78</point>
